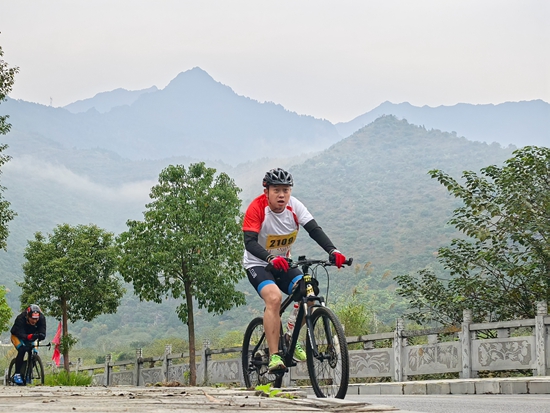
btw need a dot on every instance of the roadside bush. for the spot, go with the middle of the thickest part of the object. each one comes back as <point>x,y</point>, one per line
<point>68,379</point>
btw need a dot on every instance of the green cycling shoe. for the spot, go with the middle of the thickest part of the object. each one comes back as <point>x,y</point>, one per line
<point>299,353</point>
<point>276,363</point>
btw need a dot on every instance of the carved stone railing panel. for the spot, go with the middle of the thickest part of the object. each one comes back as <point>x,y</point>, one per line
<point>224,371</point>
<point>363,363</point>
<point>151,376</point>
<point>435,358</point>
<point>371,363</point>
<point>299,372</point>
<point>122,378</point>
<point>176,372</point>
<point>98,380</point>
<point>504,354</point>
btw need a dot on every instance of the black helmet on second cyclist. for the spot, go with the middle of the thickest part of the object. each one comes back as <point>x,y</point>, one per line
<point>33,311</point>
<point>277,176</point>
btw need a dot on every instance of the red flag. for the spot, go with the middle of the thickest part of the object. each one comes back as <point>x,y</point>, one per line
<point>56,357</point>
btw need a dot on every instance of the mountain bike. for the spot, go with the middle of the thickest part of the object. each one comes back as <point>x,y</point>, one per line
<point>33,372</point>
<point>326,346</point>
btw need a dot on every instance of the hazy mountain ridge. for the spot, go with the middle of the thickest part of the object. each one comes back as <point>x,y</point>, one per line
<point>105,101</point>
<point>192,116</point>
<point>511,123</point>
<point>197,117</point>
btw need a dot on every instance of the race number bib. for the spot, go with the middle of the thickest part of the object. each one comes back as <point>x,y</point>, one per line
<point>280,242</point>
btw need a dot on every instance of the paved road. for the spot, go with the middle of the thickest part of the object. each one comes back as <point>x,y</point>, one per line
<point>461,403</point>
<point>120,399</point>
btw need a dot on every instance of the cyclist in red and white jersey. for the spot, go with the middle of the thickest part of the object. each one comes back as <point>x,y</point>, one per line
<point>270,227</point>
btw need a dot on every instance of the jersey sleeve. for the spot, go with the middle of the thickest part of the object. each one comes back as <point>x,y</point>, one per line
<point>254,215</point>
<point>41,327</point>
<point>18,328</point>
<point>302,213</point>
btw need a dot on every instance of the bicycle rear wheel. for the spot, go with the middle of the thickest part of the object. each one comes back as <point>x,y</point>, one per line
<point>329,371</point>
<point>255,357</point>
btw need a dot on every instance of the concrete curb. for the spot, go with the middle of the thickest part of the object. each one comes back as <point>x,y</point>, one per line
<point>516,385</point>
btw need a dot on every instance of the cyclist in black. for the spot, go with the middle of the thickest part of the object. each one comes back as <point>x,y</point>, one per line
<point>28,327</point>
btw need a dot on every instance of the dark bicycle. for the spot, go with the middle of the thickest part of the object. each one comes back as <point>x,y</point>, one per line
<point>326,346</point>
<point>33,372</point>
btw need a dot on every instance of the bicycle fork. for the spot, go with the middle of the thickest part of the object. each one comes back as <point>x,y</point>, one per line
<point>310,327</point>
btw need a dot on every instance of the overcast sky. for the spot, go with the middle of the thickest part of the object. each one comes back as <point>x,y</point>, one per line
<point>329,59</point>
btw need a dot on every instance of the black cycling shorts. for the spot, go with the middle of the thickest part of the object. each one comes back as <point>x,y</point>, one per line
<point>259,278</point>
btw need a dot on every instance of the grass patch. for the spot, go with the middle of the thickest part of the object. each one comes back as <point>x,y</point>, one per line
<point>68,379</point>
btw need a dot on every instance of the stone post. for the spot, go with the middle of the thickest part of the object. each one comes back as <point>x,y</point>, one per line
<point>107,373</point>
<point>202,370</point>
<point>503,333</point>
<point>466,344</point>
<point>397,351</point>
<point>433,339</point>
<point>138,366</point>
<point>404,357</point>
<point>540,337</point>
<point>166,362</point>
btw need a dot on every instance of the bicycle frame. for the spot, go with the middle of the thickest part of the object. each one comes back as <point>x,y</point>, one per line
<point>31,360</point>
<point>305,310</point>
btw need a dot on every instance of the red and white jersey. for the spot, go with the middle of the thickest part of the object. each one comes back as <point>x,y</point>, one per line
<point>276,231</point>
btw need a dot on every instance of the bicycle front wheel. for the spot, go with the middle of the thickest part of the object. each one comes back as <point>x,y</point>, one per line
<point>36,375</point>
<point>327,355</point>
<point>255,357</point>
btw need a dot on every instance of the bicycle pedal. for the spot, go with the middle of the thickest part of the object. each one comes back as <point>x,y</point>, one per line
<point>280,372</point>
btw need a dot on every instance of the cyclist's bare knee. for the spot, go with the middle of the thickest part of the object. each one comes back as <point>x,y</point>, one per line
<point>272,296</point>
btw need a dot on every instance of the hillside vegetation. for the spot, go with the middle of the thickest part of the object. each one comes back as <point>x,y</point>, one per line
<point>370,192</point>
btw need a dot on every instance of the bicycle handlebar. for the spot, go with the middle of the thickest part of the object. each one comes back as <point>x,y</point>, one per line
<point>49,345</point>
<point>302,260</point>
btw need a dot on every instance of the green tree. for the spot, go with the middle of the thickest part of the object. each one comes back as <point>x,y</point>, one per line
<point>71,274</point>
<point>354,314</point>
<point>7,75</point>
<point>5,310</point>
<point>189,245</point>
<point>502,265</point>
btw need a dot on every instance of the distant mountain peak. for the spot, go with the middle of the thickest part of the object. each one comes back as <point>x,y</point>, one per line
<point>195,78</point>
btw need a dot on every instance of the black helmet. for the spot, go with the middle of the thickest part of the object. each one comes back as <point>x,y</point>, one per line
<point>33,311</point>
<point>277,176</point>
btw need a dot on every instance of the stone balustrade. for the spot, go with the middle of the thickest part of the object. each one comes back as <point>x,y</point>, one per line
<point>465,349</point>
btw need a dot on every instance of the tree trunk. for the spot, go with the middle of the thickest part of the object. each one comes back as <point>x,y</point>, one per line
<point>65,334</point>
<point>191,329</point>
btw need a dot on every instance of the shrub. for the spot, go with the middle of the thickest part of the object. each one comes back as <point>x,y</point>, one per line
<point>68,379</point>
